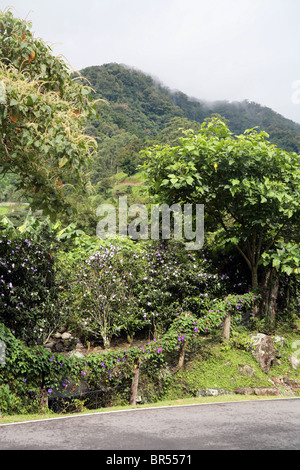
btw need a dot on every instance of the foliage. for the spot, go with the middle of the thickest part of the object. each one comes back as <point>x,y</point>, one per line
<point>27,287</point>
<point>103,292</point>
<point>42,111</point>
<point>140,109</point>
<point>172,278</point>
<point>249,187</point>
<point>127,287</point>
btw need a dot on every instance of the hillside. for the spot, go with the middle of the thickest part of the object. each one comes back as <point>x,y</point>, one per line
<point>137,111</point>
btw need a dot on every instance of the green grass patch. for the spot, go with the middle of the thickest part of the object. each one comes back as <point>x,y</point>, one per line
<point>4,210</point>
<point>224,366</point>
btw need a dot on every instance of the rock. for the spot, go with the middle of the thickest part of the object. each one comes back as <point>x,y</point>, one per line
<point>295,362</point>
<point>66,335</point>
<point>57,335</point>
<point>263,350</point>
<point>247,370</point>
<point>266,391</point>
<point>243,391</point>
<point>50,345</point>
<point>280,340</point>
<point>74,353</point>
<point>58,347</point>
<point>212,392</point>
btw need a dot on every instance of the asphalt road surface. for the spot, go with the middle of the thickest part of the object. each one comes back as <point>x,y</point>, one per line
<point>249,425</point>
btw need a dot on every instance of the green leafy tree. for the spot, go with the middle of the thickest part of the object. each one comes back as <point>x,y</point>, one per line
<point>42,114</point>
<point>249,187</point>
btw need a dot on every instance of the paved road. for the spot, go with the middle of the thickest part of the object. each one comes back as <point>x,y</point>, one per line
<point>268,424</point>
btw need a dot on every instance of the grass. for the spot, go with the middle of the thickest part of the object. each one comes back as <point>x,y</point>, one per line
<point>164,403</point>
<point>213,364</point>
<point>5,209</point>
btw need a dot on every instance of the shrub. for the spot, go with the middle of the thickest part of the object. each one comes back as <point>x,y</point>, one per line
<point>28,291</point>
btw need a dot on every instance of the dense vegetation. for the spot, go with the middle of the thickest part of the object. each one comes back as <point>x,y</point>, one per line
<point>137,304</point>
<point>136,111</point>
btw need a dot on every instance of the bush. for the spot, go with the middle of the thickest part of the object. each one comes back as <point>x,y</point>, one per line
<point>28,292</point>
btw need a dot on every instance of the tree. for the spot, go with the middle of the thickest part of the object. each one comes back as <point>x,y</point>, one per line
<point>249,187</point>
<point>42,113</point>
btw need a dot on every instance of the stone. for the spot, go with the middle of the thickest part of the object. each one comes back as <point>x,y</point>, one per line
<point>243,391</point>
<point>295,362</point>
<point>57,335</point>
<point>247,370</point>
<point>74,353</point>
<point>263,350</point>
<point>58,347</point>
<point>212,392</point>
<point>266,391</point>
<point>50,344</point>
<point>66,335</point>
<point>280,340</point>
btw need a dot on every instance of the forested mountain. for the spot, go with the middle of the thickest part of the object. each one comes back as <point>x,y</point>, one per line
<point>138,111</point>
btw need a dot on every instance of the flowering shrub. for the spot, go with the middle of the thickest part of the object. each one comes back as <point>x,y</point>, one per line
<point>27,288</point>
<point>127,288</point>
<point>103,294</point>
<point>175,280</point>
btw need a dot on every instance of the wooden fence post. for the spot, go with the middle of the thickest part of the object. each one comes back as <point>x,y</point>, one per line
<point>226,327</point>
<point>135,382</point>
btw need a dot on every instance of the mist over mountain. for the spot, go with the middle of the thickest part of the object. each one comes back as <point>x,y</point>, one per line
<point>140,111</point>
<point>137,111</point>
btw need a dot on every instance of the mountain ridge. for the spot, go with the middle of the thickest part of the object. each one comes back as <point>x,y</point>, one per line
<point>141,111</point>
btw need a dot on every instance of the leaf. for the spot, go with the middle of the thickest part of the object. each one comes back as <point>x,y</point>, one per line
<point>287,269</point>
<point>276,262</point>
<point>63,161</point>
<point>13,102</point>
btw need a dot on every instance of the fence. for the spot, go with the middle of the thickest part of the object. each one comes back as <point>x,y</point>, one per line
<point>90,399</point>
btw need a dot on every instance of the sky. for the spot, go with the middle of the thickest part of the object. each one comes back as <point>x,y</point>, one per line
<point>209,49</point>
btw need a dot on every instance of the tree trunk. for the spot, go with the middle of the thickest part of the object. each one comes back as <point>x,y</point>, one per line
<point>273,299</point>
<point>135,382</point>
<point>44,398</point>
<point>129,338</point>
<point>254,277</point>
<point>181,355</point>
<point>264,306</point>
<point>226,327</point>
<point>105,338</point>
<point>270,293</point>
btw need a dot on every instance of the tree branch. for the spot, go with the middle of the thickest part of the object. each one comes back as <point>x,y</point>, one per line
<point>5,148</point>
<point>245,257</point>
